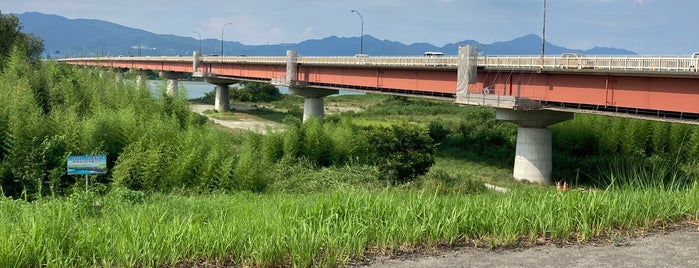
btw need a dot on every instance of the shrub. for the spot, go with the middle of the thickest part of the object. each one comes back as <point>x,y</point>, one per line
<point>401,152</point>
<point>256,92</point>
<point>317,146</point>
<point>437,131</point>
<point>249,173</point>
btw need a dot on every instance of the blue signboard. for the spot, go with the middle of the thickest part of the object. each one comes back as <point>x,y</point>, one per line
<point>87,164</point>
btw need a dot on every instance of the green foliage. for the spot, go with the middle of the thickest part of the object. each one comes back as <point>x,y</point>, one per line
<point>13,38</point>
<point>255,92</point>
<point>402,152</point>
<point>317,146</point>
<point>446,183</point>
<point>651,173</point>
<point>272,147</point>
<point>124,228</point>
<point>348,143</point>
<point>152,142</point>
<point>293,140</point>
<point>584,147</point>
<point>438,132</point>
<point>249,173</point>
<point>481,137</point>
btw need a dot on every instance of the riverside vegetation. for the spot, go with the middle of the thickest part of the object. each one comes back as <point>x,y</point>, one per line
<point>401,174</point>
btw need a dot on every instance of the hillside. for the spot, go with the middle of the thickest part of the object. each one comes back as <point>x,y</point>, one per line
<point>87,37</point>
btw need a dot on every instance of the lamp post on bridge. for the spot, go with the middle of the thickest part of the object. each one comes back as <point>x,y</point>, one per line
<point>199,41</point>
<point>222,28</point>
<point>361,36</point>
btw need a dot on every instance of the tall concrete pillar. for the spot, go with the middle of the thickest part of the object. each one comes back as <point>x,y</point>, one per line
<point>313,107</point>
<point>313,104</point>
<point>291,68</point>
<point>141,80</point>
<point>195,61</point>
<point>172,81</point>
<point>172,86</point>
<point>533,156</point>
<point>222,102</point>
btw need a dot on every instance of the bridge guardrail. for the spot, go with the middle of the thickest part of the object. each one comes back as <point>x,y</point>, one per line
<point>612,63</point>
<point>627,63</point>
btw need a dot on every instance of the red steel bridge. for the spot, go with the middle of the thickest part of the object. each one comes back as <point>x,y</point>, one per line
<point>531,91</point>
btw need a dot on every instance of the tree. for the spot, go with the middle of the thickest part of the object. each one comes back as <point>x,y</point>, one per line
<point>402,152</point>
<point>256,92</point>
<point>12,35</point>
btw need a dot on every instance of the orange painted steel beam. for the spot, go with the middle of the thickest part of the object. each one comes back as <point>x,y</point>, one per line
<point>649,93</point>
<point>613,89</point>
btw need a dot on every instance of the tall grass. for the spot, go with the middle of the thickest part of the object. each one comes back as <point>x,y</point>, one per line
<point>312,229</point>
<point>585,146</point>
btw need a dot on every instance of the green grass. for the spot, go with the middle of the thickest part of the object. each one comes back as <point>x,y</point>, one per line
<point>314,229</point>
<point>359,101</point>
<point>227,115</point>
<point>273,115</point>
<point>304,213</point>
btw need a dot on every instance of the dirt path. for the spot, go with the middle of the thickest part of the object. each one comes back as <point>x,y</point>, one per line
<point>675,249</point>
<point>243,123</point>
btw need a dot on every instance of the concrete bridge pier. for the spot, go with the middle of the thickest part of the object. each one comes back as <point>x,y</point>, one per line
<point>223,101</point>
<point>172,81</point>
<point>313,104</point>
<point>533,157</point>
<point>141,80</point>
<point>223,98</point>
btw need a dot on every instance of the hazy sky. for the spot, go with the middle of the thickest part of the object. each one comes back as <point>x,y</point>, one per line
<point>644,26</point>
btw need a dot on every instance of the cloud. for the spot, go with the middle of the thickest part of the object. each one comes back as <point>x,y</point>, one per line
<point>642,2</point>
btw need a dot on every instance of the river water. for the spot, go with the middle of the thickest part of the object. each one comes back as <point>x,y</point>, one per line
<point>198,89</point>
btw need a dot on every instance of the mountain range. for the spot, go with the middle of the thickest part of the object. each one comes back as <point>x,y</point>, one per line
<point>65,37</point>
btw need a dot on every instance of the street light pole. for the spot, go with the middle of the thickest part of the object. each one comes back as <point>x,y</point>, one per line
<point>543,37</point>
<point>199,41</point>
<point>222,28</point>
<point>361,37</point>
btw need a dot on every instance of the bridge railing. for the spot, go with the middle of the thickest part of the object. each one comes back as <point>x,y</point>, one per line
<point>612,63</point>
<point>245,59</point>
<point>341,61</point>
<point>383,61</point>
<point>628,63</point>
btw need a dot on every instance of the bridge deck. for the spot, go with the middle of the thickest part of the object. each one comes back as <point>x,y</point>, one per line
<point>647,85</point>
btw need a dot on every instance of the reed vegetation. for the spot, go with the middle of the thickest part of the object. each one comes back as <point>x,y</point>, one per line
<point>401,174</point>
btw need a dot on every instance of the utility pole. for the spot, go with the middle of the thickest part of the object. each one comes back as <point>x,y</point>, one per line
<point>543,37</point>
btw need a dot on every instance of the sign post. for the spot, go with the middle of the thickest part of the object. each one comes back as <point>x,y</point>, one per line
<point>87,165</point>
